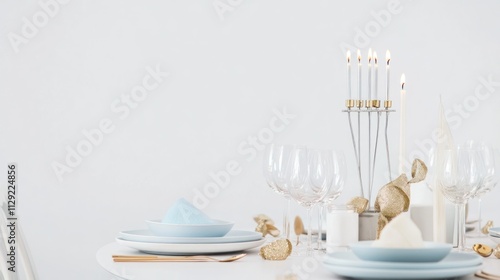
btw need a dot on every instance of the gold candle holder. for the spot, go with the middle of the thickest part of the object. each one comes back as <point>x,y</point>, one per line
<point>388,104</point>
<point>368,104</point>
<point>375,103</point>
<point>359,103</point>
<point>349,103</point>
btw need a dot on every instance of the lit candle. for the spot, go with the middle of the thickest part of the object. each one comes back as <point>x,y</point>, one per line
<point>349,94</point>
<point>370,74</point>
<point>402,127</point>
<point>359,74</point>
<point>388,72</point>
<point>375,78</point>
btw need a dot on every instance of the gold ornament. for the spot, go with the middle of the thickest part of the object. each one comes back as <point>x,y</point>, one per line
<point>277,250</point>
<point>496,252</point>
<point>360,204</point>
<point>265,225</point>
<point>486,227</point>
<point>394,198</point>
<point>482,250</point>
<point>298,227</point>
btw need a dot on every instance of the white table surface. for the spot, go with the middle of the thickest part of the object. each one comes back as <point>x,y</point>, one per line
<point>250,267</point>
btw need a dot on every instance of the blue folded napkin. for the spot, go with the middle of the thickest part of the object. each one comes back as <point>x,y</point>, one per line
<point>183,212</point>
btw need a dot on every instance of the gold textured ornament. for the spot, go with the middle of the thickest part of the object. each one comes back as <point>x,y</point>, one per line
<point>482,250</point>
<point>496,251</point>
<point>394,198</point>
<point>265,225</point>
<point>298,227</point>
<point>360,204</point>
<point>486,227</point>
<point>277,250</point>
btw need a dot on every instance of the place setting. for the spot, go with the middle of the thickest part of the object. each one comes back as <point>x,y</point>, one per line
<point>187,231</point>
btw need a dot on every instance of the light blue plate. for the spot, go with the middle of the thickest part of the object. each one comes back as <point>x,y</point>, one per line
<point>453,260</point>
<point>148,236</point>
<point>431,252</point>
<point>495,238</point>
<point>386,273</point>
<point>217,229</point>
<point>495,231</point>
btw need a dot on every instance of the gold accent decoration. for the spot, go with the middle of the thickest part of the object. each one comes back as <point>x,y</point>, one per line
<point>376,103</point>
<point>486,227</point>
<point>349,103</point>
<point>265,225</point>
<point>394,197</point>
<point>368,103</point>
<point>482,250</point>
<point>298,227</point>
<point>359,103</point>
<point>360,204</point>
<point>496,251</point>
<point>277,250</point>
<point>388,104</point>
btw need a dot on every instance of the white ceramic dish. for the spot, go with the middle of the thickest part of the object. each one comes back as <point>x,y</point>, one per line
<point>453,260</point>
<point>217,229</point>
<point>230,237</point>
<point>190,249</point>
<point>431,252</point>
<point>387,273</point>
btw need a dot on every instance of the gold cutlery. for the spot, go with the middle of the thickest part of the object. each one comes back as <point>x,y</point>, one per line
<point>152,258</point>
<point>488,276</point>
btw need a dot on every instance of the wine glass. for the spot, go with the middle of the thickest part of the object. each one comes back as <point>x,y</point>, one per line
<point>337,173</point>
<point>460,174</point>
<point>276,164</point>
<point>490,177</point>
<point>309,180</point>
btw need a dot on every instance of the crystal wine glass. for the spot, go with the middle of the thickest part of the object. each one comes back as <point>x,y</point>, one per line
<point>337,172</point>
<point>309,181</point>
<point>460,175</point>
<point>276,164</point>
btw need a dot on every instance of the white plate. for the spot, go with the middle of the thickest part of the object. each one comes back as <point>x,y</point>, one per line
<point>431,252</point>
<point>190,249</point>
<point>148,236</point>
<point>218,228</point>
<point>494,238</point>
<point>453,260</point>
<point>383,273</point>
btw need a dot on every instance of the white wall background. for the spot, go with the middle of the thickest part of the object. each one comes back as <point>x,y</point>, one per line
<point>227,76</point>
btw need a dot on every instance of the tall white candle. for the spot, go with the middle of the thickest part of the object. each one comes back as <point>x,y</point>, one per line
<point>349,92</point>
<point>370,74</point>
<point>359,74</point>
<point>375,78</point>
<point>402,127</point>
<point>387,72</point>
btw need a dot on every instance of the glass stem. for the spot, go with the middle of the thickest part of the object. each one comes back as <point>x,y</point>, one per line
<point>461,226</point>
<point>309,229</point>
<point>286,222</point>
<point>478,216</point>
<point>320,226</point>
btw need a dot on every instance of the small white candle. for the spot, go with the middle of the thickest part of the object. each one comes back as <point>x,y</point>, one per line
<point>375,78</point>
<point>349,92</point>
<point>359,74</point>
<point>388,72</point>
<point>370,74</point>
<point>402,127</point>
<point>342,227</point>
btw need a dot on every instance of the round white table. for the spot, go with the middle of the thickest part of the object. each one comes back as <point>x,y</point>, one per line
<point>250,267</point>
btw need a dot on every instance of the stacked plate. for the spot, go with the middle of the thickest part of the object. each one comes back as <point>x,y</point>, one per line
<point>432,261</point>
<point>190,239</point>
<point>494,234</point>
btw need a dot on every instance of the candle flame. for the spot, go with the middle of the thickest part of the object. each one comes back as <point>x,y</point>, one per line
<point>370,55</point>
<point>387,56</point>
<point>348,56</point>
<point>375,58</point>
<point>403,80</point>
<point>359,56</point>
